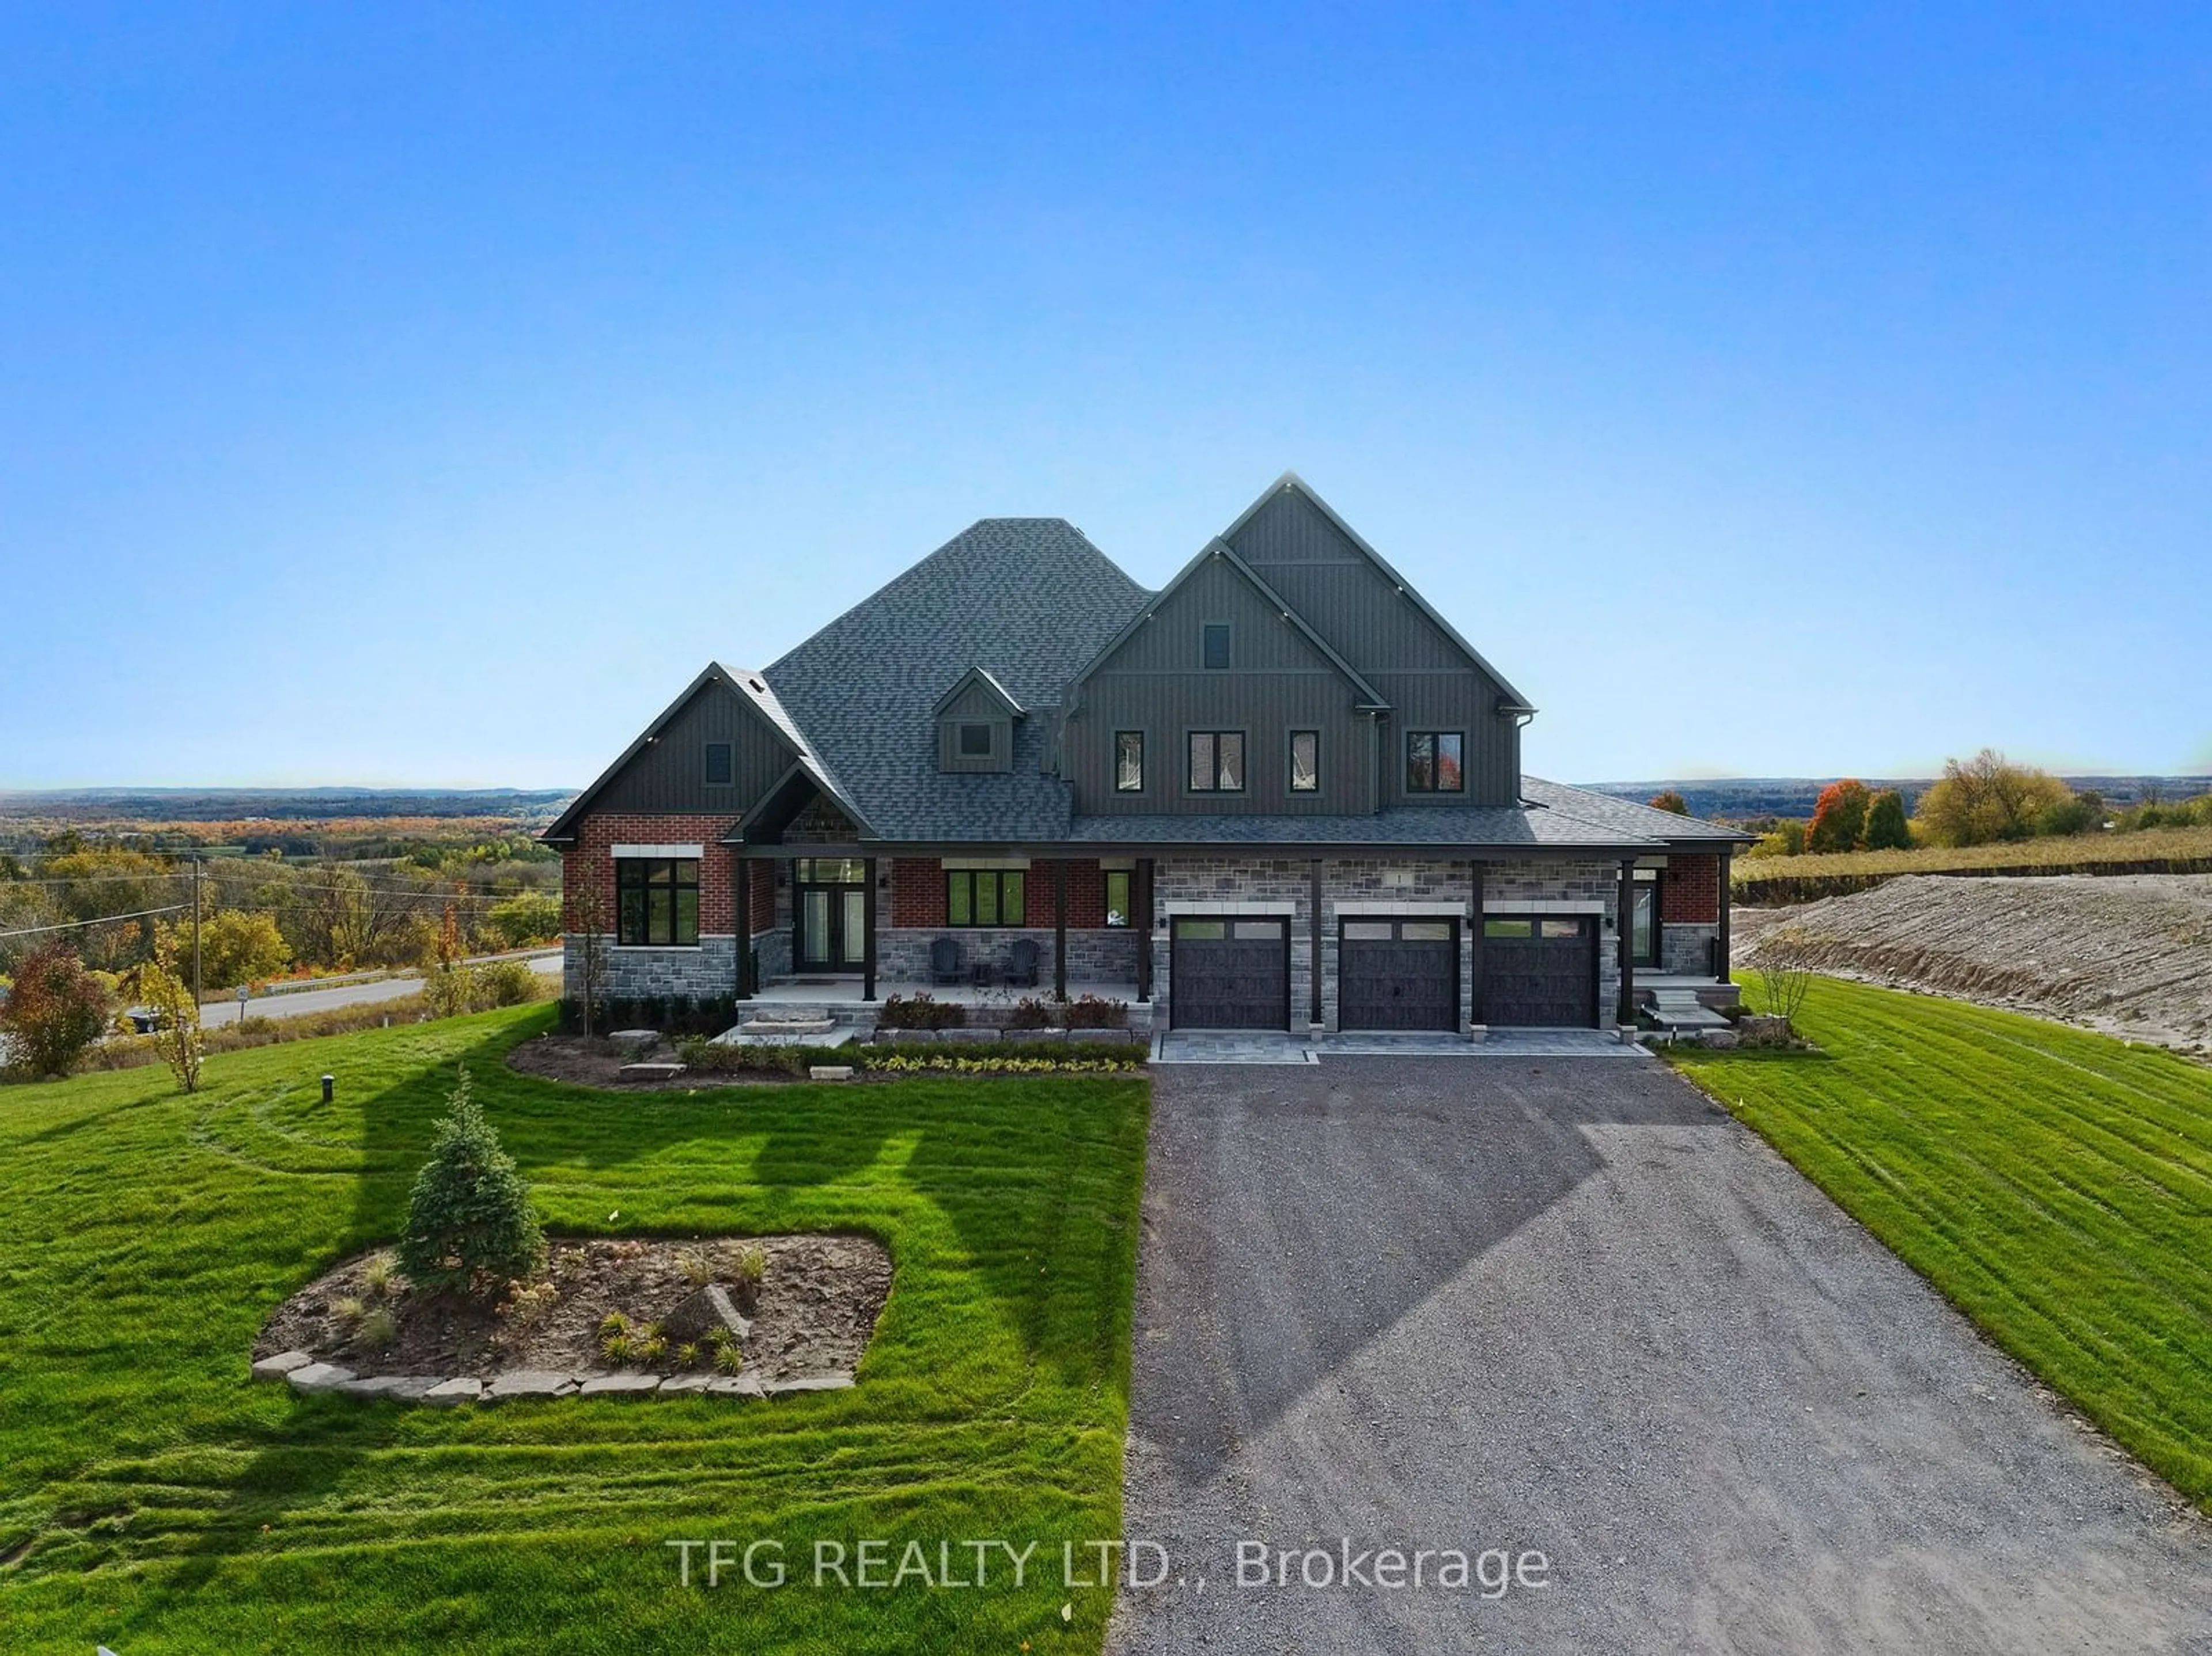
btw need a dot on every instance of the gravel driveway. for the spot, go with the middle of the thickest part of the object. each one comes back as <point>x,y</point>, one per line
<point>1571,1307</point>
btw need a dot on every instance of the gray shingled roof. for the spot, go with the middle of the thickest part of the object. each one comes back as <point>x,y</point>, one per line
<point>1027,600</point>
<point>1554,817</point>
<point>1604,812</point>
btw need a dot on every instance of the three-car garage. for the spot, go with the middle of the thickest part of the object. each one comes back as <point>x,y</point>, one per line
<point>1394,972</point>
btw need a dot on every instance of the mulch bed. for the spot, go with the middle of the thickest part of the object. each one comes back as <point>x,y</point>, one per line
<point>818,1300</point>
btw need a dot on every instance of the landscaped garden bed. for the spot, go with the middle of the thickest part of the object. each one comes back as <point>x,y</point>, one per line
<point>594,1062</point>
<point>807,1305</point>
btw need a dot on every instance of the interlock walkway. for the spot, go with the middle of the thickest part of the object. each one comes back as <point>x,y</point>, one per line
<point>1268,1046</point>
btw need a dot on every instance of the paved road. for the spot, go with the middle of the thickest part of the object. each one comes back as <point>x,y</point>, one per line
<point>1570,1306</point>
<point>298,1002</point>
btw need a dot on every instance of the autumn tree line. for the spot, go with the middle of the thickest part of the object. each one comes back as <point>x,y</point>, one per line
<point>263,917</point>
<point>1986,800</point>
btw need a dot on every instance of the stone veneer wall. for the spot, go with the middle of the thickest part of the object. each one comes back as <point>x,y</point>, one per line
<point>1094,955</point>
<point>1686,948</point>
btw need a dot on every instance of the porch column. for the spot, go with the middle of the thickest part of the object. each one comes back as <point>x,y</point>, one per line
<point>1141,900</point>
<point>744,896</point>
<point>1474,873</point>
<point>1059,929</point>
<point>1313,901</point>
<point>1626,925</point>
<point>1721,966</point>
<point>868,925</point>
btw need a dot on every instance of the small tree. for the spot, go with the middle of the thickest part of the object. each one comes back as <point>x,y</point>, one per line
<point>469,1226</point>
<point>587,930</point>
<point>1784,976</point>
<point>176,1017</point>
<point>1886,827</point>
<point>1838,817</point>
<point>54,1012</point>
<point>1670,800</point>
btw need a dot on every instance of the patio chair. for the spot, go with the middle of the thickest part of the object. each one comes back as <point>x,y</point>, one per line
<point>944,965</point>
<point>1022,964</point>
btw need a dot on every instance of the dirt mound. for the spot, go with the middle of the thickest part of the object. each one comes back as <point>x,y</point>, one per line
<point>2130,954</point>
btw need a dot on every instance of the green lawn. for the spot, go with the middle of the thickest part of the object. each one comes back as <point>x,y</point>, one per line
<point>2055,1185</point>
<point>153,1499</point>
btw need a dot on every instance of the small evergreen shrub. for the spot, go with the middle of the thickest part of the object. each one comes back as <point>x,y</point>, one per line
<point>469,1220</point>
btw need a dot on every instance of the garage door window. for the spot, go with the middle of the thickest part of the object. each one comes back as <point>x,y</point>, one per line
<point>1508,929</point>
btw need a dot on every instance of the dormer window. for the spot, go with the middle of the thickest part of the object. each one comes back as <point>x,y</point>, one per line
<point>975,723</point>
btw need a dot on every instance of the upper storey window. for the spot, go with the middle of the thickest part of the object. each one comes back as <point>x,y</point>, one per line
<point>1305,761</point>
<point>1216,647</point>
<point>975,741</point>
<point>1128,761</point>
<point>1217,762</point>
<point>1434,762</point>
<point>721,767</point>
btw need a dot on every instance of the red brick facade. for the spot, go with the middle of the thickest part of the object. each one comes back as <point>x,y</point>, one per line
<point>1690,891</point>
<point>589,864</point>
<point>918,893</point>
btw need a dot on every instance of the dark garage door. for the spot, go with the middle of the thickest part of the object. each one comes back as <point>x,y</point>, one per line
<point>1230,973</point>
<point>1540,971</point>
<point>1398,975</point>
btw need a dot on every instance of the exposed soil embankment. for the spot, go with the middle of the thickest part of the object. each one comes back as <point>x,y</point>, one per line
<point>2130,954</point>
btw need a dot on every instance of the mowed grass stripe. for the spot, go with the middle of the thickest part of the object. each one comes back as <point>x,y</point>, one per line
<point>2055,1185</point>
<point>152,1497</point>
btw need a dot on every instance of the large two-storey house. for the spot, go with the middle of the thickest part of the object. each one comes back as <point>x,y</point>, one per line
<point>1281,792</point>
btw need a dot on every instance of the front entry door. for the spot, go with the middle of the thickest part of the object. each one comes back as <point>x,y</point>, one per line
<point>830,913</point>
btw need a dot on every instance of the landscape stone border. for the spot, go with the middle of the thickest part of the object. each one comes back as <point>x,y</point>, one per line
<point>309,1377</point>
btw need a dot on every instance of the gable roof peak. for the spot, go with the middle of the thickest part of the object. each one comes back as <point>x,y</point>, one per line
<point>1510,700</point>
<point>982,675</point>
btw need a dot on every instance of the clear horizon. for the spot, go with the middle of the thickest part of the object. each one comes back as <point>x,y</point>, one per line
<point>408,400</point>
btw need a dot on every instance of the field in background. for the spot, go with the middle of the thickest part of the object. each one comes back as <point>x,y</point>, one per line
<point>1769,880</point>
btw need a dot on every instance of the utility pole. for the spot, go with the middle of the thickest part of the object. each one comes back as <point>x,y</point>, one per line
<point>196,931</point>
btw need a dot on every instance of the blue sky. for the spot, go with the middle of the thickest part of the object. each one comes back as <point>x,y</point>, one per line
<point>399,396</point>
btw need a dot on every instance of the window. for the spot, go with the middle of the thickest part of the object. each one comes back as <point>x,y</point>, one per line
<point>1217,762</point>
<point>1117,896</point>
<point>983,897</point>
<point>1433,761</point>
<point>1643,919</point>
<point>829,870</point>
<point>1128,761</point>
<point>657,901</point>
<point>975,741</point>
<point>1509,928</point>
<point>721,765</point>
<point>1216,646</point>
<point>1305,761</point>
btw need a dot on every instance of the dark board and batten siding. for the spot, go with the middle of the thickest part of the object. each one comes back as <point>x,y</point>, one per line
<point>670,774</point>
<point>1277,682</point>
<point>976,704</point>
<point>1428,680</point>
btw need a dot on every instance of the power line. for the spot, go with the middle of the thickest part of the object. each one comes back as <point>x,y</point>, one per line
<point>105,919</point>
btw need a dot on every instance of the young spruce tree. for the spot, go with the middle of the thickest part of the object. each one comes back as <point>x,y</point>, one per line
<point>469,1226</point>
